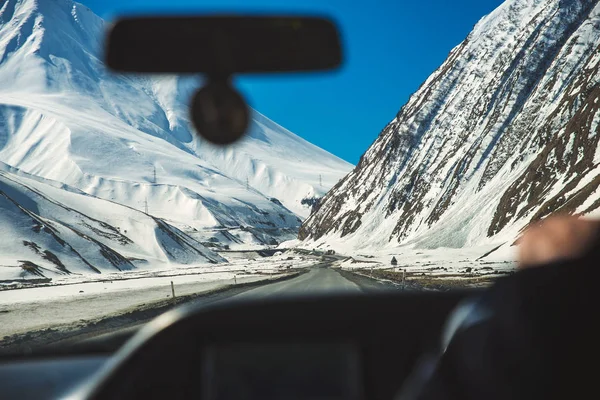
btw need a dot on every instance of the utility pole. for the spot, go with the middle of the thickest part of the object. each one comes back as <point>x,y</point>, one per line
<point>154,180</point>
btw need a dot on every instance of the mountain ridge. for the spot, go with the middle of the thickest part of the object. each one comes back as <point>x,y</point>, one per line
<point>481,124</point>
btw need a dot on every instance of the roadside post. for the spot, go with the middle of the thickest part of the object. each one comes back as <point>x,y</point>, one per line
<point>173,291</point>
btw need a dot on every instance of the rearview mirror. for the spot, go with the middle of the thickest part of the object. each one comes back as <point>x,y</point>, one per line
<point>220,47</point>
<point>223,45</point>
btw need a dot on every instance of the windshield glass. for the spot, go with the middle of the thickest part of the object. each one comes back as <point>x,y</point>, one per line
<point>449,128</point>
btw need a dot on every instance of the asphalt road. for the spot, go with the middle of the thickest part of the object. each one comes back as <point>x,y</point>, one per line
<point>316,281</point>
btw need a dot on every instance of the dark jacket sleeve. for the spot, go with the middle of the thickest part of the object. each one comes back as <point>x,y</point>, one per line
<point>534,335</point>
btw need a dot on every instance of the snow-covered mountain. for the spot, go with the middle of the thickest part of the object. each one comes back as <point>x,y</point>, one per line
<point>505,132</point>
<point>50,229</point>
<point>124,143</point>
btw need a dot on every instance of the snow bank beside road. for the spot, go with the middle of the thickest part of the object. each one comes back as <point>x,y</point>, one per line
<point>75,298</point>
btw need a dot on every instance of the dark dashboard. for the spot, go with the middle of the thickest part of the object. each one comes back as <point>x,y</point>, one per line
<point>325,347</point>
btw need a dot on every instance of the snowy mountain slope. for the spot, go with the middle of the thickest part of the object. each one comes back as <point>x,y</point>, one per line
<point>298,178</point>
<point>128,139</point>
<point>96,155</point>
<point>505,132</point>
<point>49,229</point>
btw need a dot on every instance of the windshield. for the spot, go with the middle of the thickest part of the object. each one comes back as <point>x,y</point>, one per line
<point>449,129</point>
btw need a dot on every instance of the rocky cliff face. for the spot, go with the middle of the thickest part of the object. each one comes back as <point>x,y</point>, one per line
<point>505,132</point>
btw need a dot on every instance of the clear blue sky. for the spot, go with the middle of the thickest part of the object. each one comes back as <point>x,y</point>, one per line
<point>391,47</point>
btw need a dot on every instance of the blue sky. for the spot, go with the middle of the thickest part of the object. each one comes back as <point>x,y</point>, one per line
<point>391,47</point>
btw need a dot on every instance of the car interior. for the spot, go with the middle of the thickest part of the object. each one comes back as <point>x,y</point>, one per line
<point>327,346</point>
<point>322,347</point>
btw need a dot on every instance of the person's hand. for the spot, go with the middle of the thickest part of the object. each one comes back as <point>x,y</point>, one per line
<point>555,239</point>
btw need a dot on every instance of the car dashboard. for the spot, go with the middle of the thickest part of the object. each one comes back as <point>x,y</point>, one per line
<point>324,347</point>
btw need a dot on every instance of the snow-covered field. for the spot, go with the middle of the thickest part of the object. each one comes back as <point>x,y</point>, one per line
<point>34,309</point>
<point>22,291</point>
<point>439,262</point>
<point>79,299</point>
<point>472,264</point>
